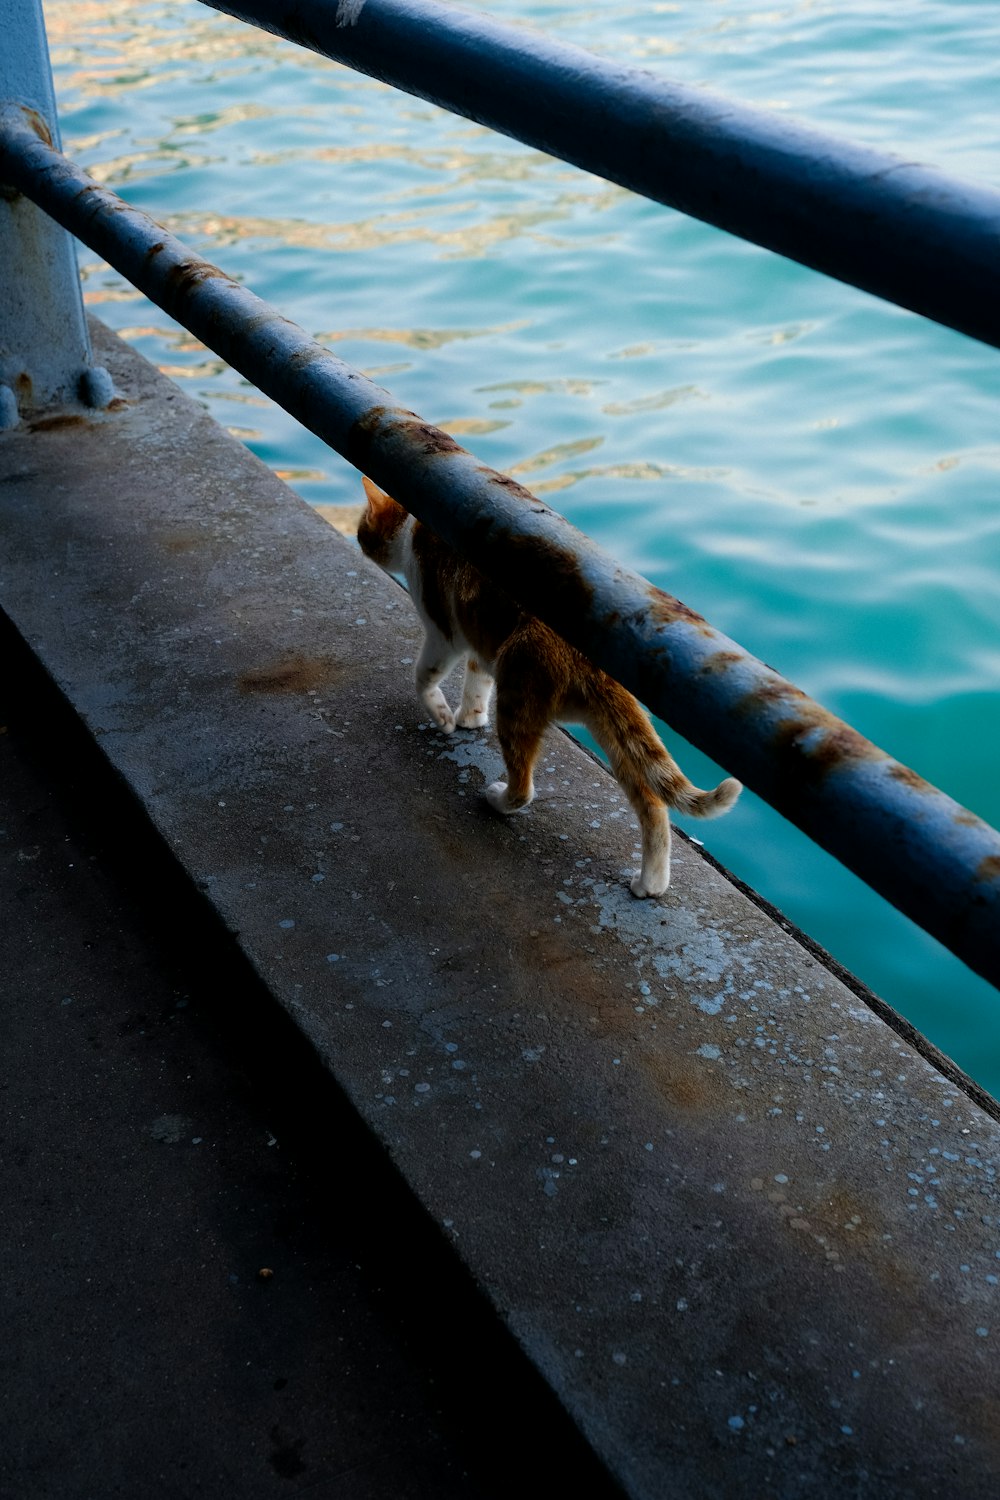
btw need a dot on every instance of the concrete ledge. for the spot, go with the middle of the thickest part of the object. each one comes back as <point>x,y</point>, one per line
<point>748,1233</point>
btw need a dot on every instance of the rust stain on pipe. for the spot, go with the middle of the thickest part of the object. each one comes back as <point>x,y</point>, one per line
<point>664,609</point>
<point>38,123</point>
<point>188,274</point>
<point>818,741</point>
<point>719,661</point>
<point>911,779</point>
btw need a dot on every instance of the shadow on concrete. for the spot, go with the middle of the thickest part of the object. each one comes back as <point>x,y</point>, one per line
<point>214,1279</point>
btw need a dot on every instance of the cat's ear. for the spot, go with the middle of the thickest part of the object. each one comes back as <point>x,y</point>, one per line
<point>378,500</point>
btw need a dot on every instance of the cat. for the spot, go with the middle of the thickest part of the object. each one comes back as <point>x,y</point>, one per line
<point>540,679</point>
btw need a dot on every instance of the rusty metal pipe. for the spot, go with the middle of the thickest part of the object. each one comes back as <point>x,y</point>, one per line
<point>893,227</point>
<point>930,857</point>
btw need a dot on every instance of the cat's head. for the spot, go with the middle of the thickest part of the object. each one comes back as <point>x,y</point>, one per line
<point>383,528</point>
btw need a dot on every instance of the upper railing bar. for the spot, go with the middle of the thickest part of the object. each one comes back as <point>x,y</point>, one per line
<point>902,231</point>
<point>933,859</point>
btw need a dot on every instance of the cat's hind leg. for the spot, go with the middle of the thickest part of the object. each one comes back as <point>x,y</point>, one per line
<point>654,822</point>
<point>437,657</point>
<point>524,711</point>
<point>624,733</point>
<point>474,712</point>
<point>520,744</point>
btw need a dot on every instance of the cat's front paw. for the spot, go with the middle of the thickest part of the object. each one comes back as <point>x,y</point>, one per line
<point>473,719</point>
<point>442,717</point>
<point>642,888</point>
<point>438,707</point>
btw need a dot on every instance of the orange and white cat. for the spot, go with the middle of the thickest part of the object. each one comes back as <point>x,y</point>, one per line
<point>539,678</point>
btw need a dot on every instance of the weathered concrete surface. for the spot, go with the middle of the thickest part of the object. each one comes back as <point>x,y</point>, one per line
<point>749,1234</point>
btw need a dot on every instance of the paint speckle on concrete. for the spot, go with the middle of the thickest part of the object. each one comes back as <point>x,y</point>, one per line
<point>473,752</point>
<point>711,1006</point>
<point>549,1178</point>
<point>171,1129</point>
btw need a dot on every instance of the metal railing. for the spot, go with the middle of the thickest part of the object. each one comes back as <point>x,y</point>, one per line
<point>912,235</point>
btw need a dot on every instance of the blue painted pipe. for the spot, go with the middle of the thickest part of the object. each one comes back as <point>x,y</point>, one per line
<point>902,231</point>
<point>930,857</point>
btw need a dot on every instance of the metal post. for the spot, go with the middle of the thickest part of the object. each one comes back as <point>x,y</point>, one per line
<point>45,350</point>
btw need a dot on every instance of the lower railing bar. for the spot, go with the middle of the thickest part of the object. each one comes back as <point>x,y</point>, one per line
<point>937,862</point>
<point>904,231</point>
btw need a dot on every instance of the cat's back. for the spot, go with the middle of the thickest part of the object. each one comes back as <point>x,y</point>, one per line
<point>458,599</point>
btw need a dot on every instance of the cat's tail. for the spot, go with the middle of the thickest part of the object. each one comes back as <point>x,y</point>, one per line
<point>643,764</point>
<point>687,798</point>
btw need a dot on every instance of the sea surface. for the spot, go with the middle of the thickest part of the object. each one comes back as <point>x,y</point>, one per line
<point>816,472</point>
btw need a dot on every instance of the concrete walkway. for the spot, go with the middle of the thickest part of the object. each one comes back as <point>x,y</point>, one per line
<point>745,1228</point>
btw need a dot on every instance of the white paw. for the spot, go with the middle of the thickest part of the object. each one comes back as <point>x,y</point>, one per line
<point>437,706</point>
<point>496,796</point>
<point>642,888</point>
<point>473,719</point>
<point>443,717</point>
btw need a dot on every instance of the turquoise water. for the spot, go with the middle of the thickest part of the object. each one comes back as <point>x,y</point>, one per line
<point>815,472</point>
